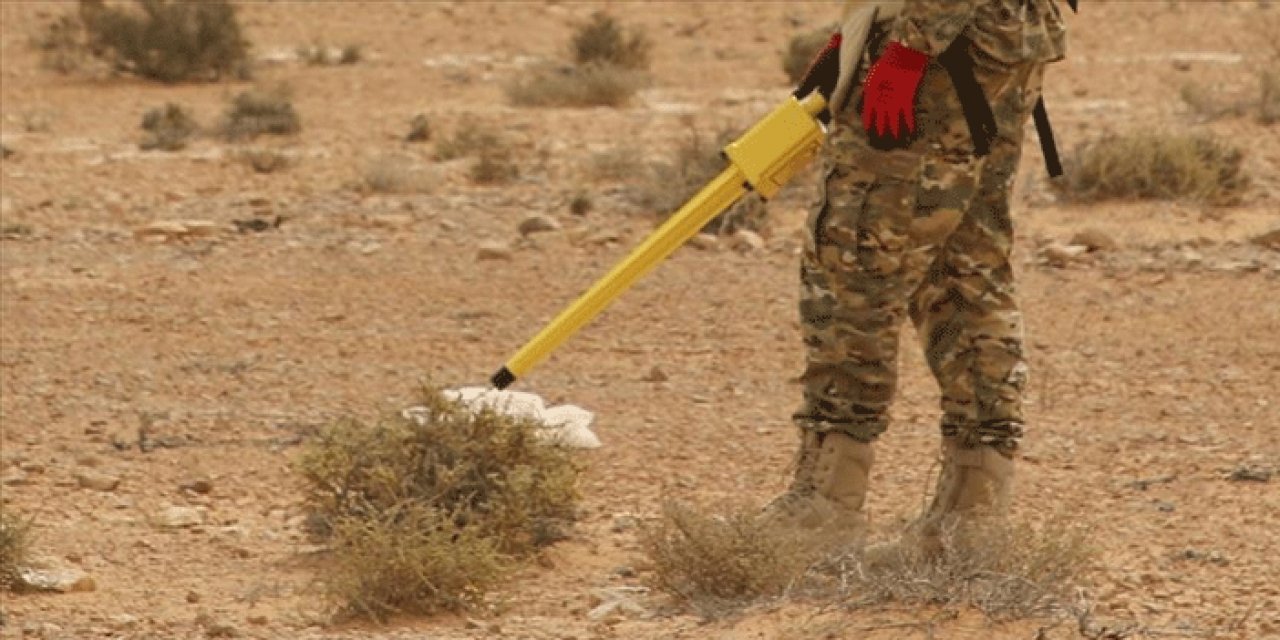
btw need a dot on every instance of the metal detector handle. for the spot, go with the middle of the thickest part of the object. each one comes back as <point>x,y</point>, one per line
<point>764,159</point>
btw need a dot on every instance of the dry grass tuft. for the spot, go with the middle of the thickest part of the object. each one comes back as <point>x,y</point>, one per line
<point>319,54</point>
<point>610,64</point>
<point>419,129</point>
<point>168,128</point>
<point>1157,166</point>
<point>495,159</point>
<point>720,563</point>
<point>591,85</point>
<point>422,517</point>
<point>666,185</point>
<point>168,40</point>
<point>801,51</point>
<point>395,173</point>
<point>63,45</point>
<point>261,111</point>
<point>604,40</point>
<point>1269,94</point>
<point>1009,571</point>
<point>717,564</point>
<point>15,538</point>
<point>263,160</point>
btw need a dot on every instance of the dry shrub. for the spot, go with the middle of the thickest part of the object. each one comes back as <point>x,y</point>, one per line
<point>15,538</point>
<point>719,563</point>
<point>394,173</point>
<point>801,51</point>
<point>409,558</point>
<point>618,163</point>
<point>168,40</point>
<point>604,40</point>
<point>421,516</point>
<point>260,111</point>
<point>495,161</point>
<point>494,166</point>
<point>63,45</point>
<point>1008,571</point>
<point>419,129</point>
<point>1157,166</point>
<point>263,160</point>
<point>667,185</point>
<point>168,128</point>
<point>590,85</point>
<point>322,55</point>
<point>1269,94</point>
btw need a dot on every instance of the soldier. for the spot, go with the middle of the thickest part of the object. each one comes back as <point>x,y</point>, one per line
<point>914,222</point>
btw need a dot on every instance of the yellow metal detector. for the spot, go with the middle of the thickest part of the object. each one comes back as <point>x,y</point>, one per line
<point>764,159</point>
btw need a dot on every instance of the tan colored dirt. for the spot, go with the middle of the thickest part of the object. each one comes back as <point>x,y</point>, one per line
<point>1155,365</point>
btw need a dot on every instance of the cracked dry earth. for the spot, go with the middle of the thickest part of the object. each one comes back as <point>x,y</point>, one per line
<point>190,370</point>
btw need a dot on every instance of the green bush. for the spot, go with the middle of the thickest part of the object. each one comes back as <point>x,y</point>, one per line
<point>422,515</point>
<point>168,40</point>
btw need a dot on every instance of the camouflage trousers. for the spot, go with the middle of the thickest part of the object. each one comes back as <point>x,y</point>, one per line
<point>921,231</point>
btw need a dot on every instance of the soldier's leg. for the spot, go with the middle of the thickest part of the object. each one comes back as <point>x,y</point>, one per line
<point>967,315</point>
<point>883,218</point>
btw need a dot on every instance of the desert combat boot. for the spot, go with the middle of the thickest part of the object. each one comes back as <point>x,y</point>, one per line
<point>973,489</point>
<point>829,487</point>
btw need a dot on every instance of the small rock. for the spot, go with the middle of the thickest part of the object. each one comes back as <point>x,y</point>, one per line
<point>201,486</point>
<point>1269,240</point>
<point>1060,255</point>
<point>97,480</point>
<point>257,619</point>
<point>624,522</point>
<point>448,225</point>
<point>1246,473</point>
<point>604,237</point>
<point>704,242</point>
<point>746,240</point>
<point>538,224</point>
<point>193,597</point>
<point>655,375</point>
<point>60,580</point>
<point>201,228</point>
<point>1095,240</point>
<point>14,478</point>
<point>161,230</point>
<point>392,221</point>
<point>179,517</point>
<point>492,250</point>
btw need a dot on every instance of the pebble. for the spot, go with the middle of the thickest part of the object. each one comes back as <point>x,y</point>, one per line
<point>60,580</point>
<point>97,480</point>
<point>200,486</point>
<point>746,240</point>
<point>656,374</point>
<point>392,221</point>
<point>492,250</point>
<point>538,223</point>
<point>1270,239</point>
<point>179,517</point>
<point>1095,240</point>
<point>704,242</point>
<point>1060,255</point>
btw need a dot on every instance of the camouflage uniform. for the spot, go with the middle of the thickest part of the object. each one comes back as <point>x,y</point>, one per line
<point>924,230</point>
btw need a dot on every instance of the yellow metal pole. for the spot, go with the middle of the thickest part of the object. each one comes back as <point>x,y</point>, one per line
<point>763,159</point>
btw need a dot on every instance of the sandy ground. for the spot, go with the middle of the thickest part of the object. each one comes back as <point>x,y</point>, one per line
<point>1155,364</point>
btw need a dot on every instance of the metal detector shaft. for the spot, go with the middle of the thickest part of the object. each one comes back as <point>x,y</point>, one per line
<point>764,159</point>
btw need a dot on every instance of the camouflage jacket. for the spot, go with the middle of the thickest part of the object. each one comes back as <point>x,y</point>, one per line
<point>1010,32</point>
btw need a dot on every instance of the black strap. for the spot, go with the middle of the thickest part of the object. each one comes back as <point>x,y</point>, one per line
<point>823,74</point>
<point>977,111</point>
<point>1047,145</point>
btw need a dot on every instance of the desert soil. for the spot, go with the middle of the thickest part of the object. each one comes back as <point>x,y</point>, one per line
<point>1154,417</point>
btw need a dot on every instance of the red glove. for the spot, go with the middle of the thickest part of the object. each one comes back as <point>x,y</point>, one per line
<point>889,93</point>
